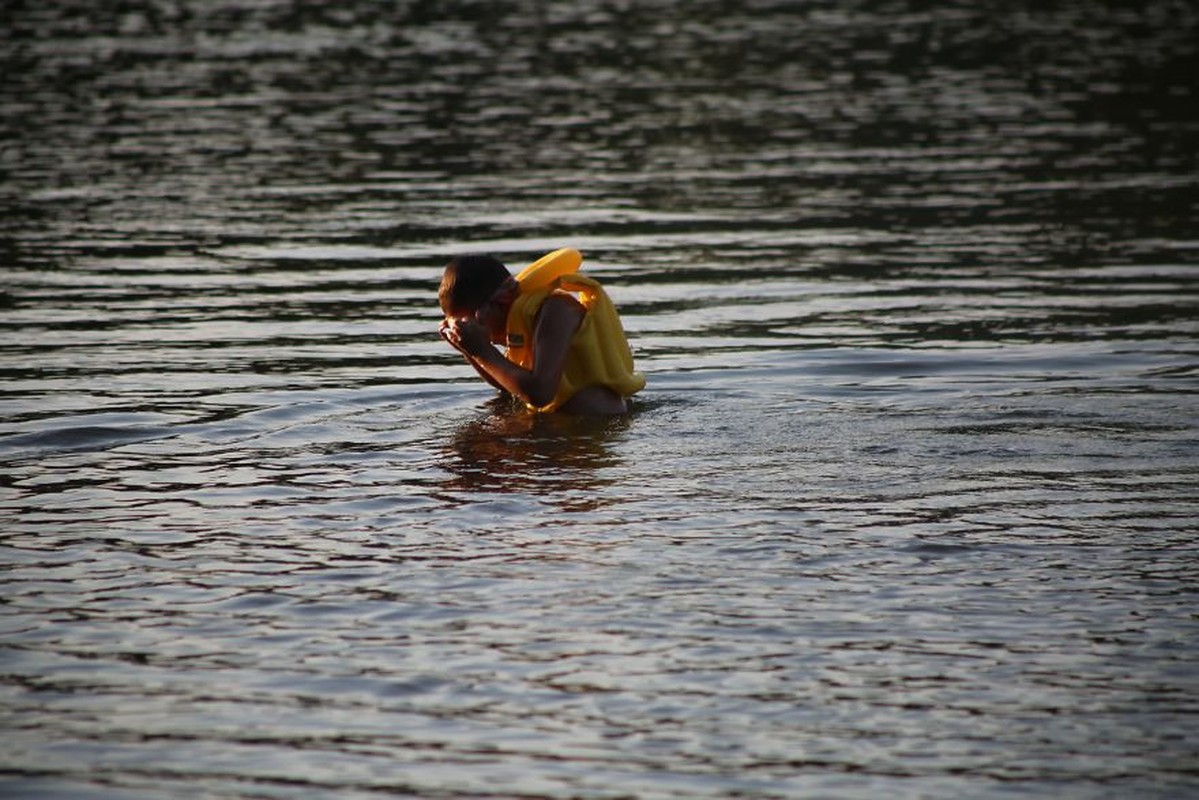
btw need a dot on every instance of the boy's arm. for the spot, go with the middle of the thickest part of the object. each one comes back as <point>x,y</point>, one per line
<point>560,316</point>
<point>484,374</point>
<point>447,331</point>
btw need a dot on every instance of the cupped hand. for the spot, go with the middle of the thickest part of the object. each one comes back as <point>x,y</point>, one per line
<point>445,331</point>
<point>465,335</point>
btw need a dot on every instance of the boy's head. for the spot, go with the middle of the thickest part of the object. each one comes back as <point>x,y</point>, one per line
<point>468,283</point>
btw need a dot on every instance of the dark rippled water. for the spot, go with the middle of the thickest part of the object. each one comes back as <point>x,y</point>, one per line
<point>907,508</point>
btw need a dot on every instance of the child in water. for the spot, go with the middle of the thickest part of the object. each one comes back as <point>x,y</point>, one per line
<point>565,347</point>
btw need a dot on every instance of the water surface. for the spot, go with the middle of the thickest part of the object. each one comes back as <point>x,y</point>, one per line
<point>907,507</point>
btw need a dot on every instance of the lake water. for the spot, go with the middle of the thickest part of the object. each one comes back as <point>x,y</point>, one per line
<point>907,509</point>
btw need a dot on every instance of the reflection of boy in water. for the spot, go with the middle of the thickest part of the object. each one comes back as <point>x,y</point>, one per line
<point>580,360</point>
<point>562,459</point>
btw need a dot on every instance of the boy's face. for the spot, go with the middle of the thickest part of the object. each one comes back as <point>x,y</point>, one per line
<point>493,314</point>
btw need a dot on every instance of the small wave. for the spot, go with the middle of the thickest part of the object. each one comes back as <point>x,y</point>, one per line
<point>83,437</point>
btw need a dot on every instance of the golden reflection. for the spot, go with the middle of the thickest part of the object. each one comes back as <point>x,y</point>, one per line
<point>509,449</point>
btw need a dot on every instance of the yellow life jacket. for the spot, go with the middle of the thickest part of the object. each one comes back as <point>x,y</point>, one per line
<point>599,353</point>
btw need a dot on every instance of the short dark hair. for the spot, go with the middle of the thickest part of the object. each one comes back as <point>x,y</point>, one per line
<point>468,282</point>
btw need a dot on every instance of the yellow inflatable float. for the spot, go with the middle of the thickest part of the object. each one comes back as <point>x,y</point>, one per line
<point>599,352</point>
